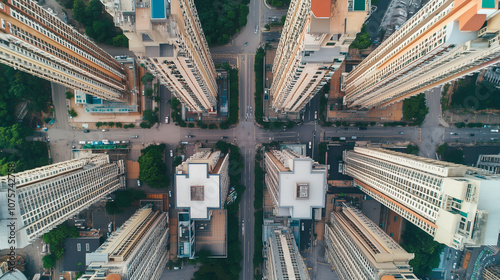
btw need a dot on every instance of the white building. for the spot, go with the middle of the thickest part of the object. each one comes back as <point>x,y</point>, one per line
<point>314,42</point>
<point>358,249</point>
<point>47,196</point>
<point>297,184</point>
<point>283,260</point>
<point>443,41</point>
<point>167,38</point>
<point>135,251</point>
<point>456,204</point>
<point>491,163</point>
<point>201,185</point>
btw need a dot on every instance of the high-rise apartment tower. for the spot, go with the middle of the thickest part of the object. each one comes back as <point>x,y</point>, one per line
<point>47,196</point>
<point>35,41</point>
<point>167,38</point>
<point>445,40</point>
<point>456,204</point>
<point>313,44</point>
<point>296,183</point>
<point>358,249</point>
<point>135,251</point>
<point>283,258</point>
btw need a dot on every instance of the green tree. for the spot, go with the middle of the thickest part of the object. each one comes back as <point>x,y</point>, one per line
<point>72,113</point>
<point>283,19</point>
<point>98,124</point>
<point>150,116</point>
<point>362,40</point>
<point>148,77</point>
<point>69,95</point>
<point>120,41</point>
<point>152,168</point>
<point>148,92</point>
<point>415,109</point>
<point>79,10</point>
<point>49,261</point>
<point>426,250</point>
<point>119,125</point>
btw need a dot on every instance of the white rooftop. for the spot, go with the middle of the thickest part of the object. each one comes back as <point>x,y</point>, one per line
<point>301,189</point>
<point>197,190</point>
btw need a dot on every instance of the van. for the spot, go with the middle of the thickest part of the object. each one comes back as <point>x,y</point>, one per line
<point>82,142</point>
<point>494,131</point>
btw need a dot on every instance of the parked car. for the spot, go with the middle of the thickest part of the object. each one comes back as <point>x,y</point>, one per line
<point>104,130</point>
<point>86,131</point>
<point>171,153</point>
<point>189,136</point>
<point>401,132</point>
<point>135,136</point>
<point>167,120</point>
<point>139,183</point>
<point>169,193</point>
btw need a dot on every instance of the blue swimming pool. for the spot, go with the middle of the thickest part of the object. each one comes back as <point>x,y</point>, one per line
<point>157,9</point>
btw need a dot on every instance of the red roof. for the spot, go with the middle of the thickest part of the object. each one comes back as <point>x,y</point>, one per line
<point>321,8</point>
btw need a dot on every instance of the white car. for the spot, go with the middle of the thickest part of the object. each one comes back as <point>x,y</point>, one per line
<point>167,120</point>
<point>171,153</point>
<point>310,145</point>
<point>315,115</point>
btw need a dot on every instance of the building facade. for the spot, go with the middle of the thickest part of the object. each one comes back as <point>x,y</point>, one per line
<point>443,41</point>
<point>135,251</point>
<point>491,163</point>
<point>201,186</point>
<point>296,183</point>
<point>453,203</point>
<point>283,260</point>
<point>315,39</point>
<point>358,249</point>
<point>167,38</point>
<point>492,272</point>
<point>35,41</point>
<point>47,196</point>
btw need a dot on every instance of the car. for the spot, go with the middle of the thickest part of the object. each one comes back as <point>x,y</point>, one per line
<point>224,137</point>
<point>72,147</point>
<point>472,134</point>
<point>171,153</point>
<point>135,136</point>
<point>346,128</point>
<point>342,138</point>
<point>139,183</point>
<point>110,227</point>
<point>363,128</point>
<point>169,193</point>
<point>315,115</point>
<point>104,130</point>
<point>494,131</point>
<point>189,136</point>
<point>116,142</point>
<point>167,120</point>
<point>82,142</point>
<point>86,131</point>
<point>256,29</point>
<point>453,133</point>
<point>401,132</point>
<point>242,221</point>
<point>310,145</point>
<point>354,137</point>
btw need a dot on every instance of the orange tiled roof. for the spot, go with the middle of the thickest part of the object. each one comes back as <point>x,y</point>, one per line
<point>321,8</point>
